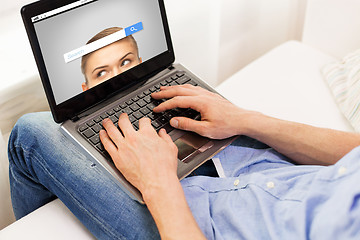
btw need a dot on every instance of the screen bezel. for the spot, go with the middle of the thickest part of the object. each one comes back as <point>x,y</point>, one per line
<point>75,105</point>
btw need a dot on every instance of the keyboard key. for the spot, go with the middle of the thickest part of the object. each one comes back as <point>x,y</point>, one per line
<point>117,115</point>
<point>145,111</point>
<point>152,116</point>
<point>162,120</point>
<point>158,102</point>
<point>183,80</point>
<point>138,115</point>
<point>88,133</point>
<point>141,95</point>
<point>156,124</point>
<point>97,119</point>
<point>129,102</point>
<point>95,139</point>
<point>163,83</point>
<point>135,99</point>
<point>90,123</point>
<point>141,103</point>
<point>134,107</point>
<point>151,106</point>
<point>117,109</point>
<point>190,113</point>
<point>132,118</point>
<point>123,105</point>
<point>147,92</point>
<point>148,99</point>
<point>114,119</point>
<point>110,112</point>
<point>127,110</point>
<point>192,82</point>
<point>100,147</point>
<point>180,74</point>
<point>83,127</point>
<point>104,115</point>
<point>169,115</point>
<point>96,128</point>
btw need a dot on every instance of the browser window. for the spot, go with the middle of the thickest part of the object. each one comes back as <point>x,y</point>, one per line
<point>88,42</point>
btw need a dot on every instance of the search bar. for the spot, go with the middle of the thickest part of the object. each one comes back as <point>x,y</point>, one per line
<point>91,47</point>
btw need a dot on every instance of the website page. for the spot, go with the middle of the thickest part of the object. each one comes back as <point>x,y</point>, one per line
<point>97,40</point>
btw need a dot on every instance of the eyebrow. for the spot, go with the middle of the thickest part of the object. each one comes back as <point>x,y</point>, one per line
<point>108,65</point>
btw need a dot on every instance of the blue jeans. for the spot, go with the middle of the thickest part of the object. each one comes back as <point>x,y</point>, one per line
<point>45,165</point>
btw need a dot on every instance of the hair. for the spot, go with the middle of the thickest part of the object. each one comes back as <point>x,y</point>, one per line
<point>104,33</point>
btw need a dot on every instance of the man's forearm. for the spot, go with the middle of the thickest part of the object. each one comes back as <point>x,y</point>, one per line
<point>302,143</point>
<point>171,212</point>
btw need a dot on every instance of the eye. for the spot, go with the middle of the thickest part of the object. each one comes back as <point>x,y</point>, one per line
<point>101,74</point>
<point>125,62</point>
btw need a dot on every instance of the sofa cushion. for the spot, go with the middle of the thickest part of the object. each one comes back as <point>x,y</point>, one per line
<point>287,83</point>
<point>52,221</point>
<point>343,78</point>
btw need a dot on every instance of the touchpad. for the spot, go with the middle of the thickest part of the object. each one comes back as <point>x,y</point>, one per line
<point>190,145</point>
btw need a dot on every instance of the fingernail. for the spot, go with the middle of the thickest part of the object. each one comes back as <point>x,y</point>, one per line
<point>174,123</point>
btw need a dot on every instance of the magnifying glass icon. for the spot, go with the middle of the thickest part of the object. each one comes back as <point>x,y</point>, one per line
<point>133,28</point>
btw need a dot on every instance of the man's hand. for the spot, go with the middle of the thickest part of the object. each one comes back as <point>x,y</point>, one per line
<point>148,160</point>
<point>138,154</point>
<point>219,118</point>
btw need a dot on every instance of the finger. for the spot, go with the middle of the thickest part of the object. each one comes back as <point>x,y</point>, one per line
<point>145,124</point>
<point>125,125</point>
<point>188,124</point>
<point>108,144</point>
<point>193,102</point>
<point>172,91</point>
<point>163,134</point>
<point>112,131</point>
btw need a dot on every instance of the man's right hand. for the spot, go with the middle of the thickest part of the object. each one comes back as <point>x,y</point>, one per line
<point>219,118</point>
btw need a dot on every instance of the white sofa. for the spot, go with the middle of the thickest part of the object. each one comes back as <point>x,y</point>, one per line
<point>286,83</point>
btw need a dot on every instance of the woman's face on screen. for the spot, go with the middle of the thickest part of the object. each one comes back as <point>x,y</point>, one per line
<point>110,61</point>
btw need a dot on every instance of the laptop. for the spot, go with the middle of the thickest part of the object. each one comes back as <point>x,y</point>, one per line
<point>100,58</point>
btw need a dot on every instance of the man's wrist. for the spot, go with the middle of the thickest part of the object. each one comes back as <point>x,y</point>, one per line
<point>157,191</point>
<point>249,123</point>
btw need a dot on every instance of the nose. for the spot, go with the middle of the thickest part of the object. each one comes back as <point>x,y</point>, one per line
<point>116,71</point>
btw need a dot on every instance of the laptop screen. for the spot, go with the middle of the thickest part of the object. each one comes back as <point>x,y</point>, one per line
<point>88,42</point>
<point>82,44</point>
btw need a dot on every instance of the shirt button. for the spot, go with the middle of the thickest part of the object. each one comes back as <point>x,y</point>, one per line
<point>236,182</point>
<point>270,184</point>
<point>342,170</point>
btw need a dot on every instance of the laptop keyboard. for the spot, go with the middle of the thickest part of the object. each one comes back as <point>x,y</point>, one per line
<point>139,106</point>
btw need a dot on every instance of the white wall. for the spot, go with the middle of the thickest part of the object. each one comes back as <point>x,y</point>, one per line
<point>10,6</point>
<point>215,38</point>
<point>342,17</point>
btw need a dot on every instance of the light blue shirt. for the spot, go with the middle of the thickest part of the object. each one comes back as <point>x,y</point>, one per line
<point>265,197</point>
